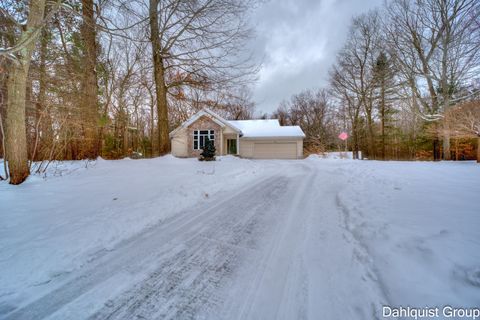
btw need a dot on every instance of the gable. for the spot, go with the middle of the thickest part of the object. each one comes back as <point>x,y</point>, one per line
<point>208,114</point>
<point>205,123</point>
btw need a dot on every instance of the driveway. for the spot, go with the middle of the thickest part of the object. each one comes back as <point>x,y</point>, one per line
<point>311,239</point>
<point>271,250</point>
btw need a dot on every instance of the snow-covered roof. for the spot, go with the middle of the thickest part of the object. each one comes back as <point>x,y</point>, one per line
<point>251,125</point>
<point>266,129</point>
<point>269,128</point>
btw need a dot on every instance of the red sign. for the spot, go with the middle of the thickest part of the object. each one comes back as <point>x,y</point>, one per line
<point>343,136</point>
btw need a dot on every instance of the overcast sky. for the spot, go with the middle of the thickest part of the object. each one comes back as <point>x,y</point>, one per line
<point>297,41</point>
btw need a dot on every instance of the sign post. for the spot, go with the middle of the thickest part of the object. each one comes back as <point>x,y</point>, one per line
<point>344,136</point>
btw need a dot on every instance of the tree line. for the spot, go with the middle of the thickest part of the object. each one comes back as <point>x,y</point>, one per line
<point>89,78</point>
<point>82,79</point>
<point>405,85</point>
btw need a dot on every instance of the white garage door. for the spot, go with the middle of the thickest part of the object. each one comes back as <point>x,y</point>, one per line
<point>283,150</point>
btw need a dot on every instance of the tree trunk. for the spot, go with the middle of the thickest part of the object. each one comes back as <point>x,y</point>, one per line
<point>355,151</point>
<point>478,149</point>
<point>456,150</point>
<point>16,134</point>
<point>414,133</point>
<point>445,85</point>
<point>383,133</point>
<point>446,141</point>
<point>160,86</point>
<point>382,114</point>
<point>152,128</point>
<point>91,145</point>
<point>371,139</point>
<point>436,151</point>
<point>44,133</point>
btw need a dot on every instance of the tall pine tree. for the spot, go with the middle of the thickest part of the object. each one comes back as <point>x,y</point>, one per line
<point>384,82</point>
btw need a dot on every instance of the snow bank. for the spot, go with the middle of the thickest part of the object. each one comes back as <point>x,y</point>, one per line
<point>334,155</point>
<point>2,171</point>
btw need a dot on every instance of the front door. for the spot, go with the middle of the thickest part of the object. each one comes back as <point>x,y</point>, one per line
<point>231,146</point>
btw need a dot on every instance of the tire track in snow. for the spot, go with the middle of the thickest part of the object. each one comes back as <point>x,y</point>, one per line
<point>285,234</point>
<point>188,287</point>
<point>133,254</point>
<point>273,294</point>
<point>312,269</point>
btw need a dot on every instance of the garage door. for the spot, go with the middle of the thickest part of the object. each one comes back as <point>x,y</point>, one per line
<point>264,150</point>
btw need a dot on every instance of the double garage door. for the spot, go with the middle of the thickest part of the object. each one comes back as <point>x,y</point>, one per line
<point>277,150</point>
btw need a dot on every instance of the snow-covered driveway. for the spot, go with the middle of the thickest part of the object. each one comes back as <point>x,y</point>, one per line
<point>307,239</point>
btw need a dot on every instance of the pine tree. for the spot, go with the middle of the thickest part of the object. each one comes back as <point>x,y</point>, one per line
<point>208,153</point>
<point>384,78</point>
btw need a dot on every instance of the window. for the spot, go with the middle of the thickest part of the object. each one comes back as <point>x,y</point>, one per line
<point>199,137</point>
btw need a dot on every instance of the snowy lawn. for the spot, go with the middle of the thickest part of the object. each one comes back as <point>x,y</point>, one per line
<point>420,224</point>
<point>53,226</point>
<point>239,239</point>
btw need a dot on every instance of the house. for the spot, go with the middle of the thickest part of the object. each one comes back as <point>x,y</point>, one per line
<point>257,139</point>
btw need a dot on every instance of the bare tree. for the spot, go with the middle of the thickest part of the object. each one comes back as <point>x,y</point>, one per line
<point>197,44</point>
<point>237,105</point>
<point>353,78</point>
<point>351,106</point>
<point>90,146</point>
<point>312,111</point>
<point>464,122</point>
<point>438,51</point>
<point>282,113</point>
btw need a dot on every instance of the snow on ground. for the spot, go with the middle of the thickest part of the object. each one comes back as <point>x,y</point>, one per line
<point>239,239</point>
<point>336,155</point>
<point>52,227</point>
<point>420,223</point>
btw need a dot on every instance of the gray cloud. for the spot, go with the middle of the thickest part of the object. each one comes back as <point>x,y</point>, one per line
<point>297,42</point>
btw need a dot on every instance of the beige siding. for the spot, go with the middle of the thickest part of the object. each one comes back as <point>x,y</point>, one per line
<point>300,149</point>
<point>275,150</point>
<point>259,149</point>
<point>180,144</point>
<point>271,149</point>
<point>246,148</point>
<point>228,130</point>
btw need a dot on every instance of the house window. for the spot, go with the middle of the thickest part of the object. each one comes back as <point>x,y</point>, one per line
<point>199,137</point>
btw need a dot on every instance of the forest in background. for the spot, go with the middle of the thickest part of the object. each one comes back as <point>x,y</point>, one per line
<point>82,79</point>
<point>405,86</point>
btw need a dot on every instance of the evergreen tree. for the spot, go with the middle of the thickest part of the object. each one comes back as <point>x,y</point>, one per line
<point>384,81</point>
<point>208,153</point>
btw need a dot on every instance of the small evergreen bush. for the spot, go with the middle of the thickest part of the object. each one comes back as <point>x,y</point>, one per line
<point>208,153</point>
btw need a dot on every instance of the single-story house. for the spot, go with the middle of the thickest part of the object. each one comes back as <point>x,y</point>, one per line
<point>257,139</point>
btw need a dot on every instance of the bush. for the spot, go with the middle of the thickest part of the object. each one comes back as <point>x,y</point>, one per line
<point>208,153</point>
